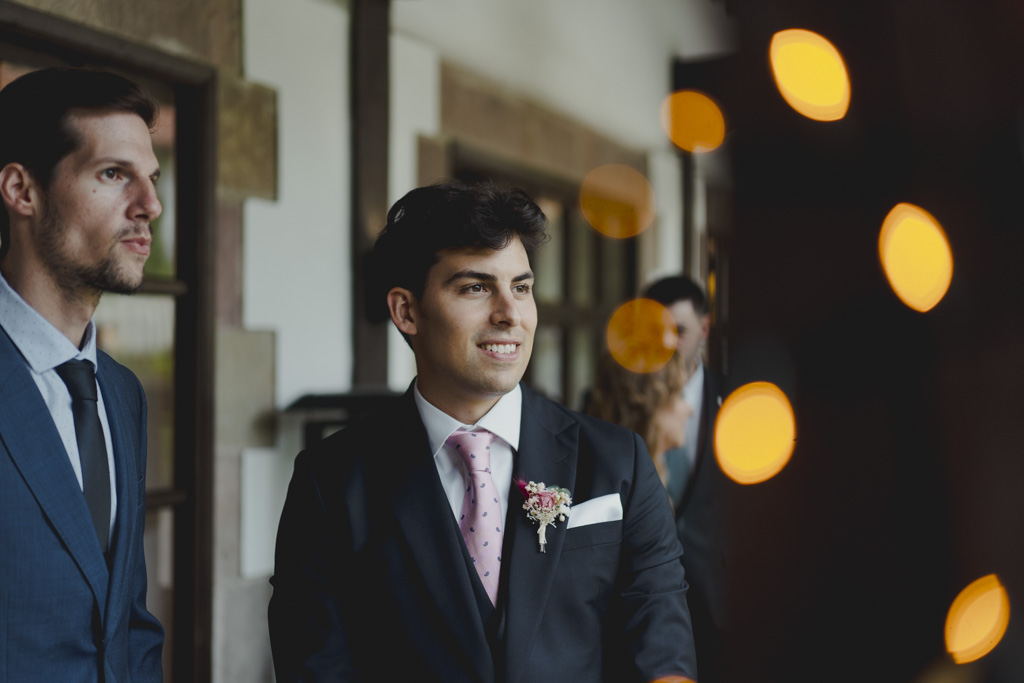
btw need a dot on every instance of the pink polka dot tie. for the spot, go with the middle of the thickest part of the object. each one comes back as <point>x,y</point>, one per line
<point>480,521</point>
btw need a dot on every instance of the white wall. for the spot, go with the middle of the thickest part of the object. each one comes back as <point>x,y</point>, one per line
<point>296,255</point>
<point>604,62</point>
<point>415,92</point>
<point>661,245</point>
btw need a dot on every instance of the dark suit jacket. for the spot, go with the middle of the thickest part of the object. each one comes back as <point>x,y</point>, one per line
<point>700,518</point>
<point>65,614</point>
<point>369,558</point>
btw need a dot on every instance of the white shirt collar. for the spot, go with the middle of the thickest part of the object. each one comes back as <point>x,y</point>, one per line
<point>503,419</point>
<point>43,346</point>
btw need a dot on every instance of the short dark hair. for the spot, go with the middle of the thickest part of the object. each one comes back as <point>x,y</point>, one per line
<point>669,290</point>
<point>35,118</point>
<point>449,215</point>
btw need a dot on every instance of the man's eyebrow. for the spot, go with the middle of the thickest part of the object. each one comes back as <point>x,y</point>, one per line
<point>486,277</point>
<point>470,275</point>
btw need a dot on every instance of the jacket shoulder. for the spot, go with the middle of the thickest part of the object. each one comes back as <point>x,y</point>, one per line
<point>388,427</point>
<point>590,428</point>
<point>111,369</point>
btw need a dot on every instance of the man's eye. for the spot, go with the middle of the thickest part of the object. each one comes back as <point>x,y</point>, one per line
<point>475,288</point>
<point>112,174</point>
<point>523,289</point>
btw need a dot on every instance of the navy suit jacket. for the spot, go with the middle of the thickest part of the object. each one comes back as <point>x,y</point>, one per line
<point>65,614</point>
<point>369,557</point>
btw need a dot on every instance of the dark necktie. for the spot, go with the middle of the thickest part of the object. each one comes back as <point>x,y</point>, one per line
<point>92,449</point>
<point>480,522</point>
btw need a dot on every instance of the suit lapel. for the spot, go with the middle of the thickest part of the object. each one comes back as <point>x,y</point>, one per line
<point>548,443</point>
<point>126,478</point>
<point>422,510</point>
<point>30,437</point>
<point>705,436</point>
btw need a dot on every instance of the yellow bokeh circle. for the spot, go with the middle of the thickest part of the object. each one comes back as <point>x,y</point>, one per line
<point>810,74</point>
<point>755,433</point>
<point>693,121</point>
<point>642,335</point>
<point>977,619</point>
<point>916,256</point>
<point>617,200</point>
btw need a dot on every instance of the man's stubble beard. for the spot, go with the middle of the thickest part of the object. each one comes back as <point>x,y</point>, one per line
<point>74,278</point>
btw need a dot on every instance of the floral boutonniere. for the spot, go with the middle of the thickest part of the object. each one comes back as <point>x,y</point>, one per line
<point>544,505</point>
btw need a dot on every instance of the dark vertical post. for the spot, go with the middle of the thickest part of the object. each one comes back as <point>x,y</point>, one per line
<point>370,28</point>
<point>193,522</point>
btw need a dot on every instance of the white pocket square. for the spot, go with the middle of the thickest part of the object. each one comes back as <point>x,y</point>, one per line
<point>601,509</point>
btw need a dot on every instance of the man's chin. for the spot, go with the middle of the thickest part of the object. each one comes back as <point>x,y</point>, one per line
<point>502,385</point>
<point>114,280</point>
<point>116,285</point>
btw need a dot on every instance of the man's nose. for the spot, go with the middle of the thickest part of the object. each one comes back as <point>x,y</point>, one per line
<point>506,310</point>
<point>147,204</point>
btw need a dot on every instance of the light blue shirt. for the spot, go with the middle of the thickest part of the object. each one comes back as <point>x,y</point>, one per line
<point>44,347</point>
<point>693,392</point>
<point>503,419</point>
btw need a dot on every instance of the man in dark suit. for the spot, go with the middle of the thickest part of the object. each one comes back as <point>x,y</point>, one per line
<point>697,485</point>
<point>77,174</point>
<point>405,534</point>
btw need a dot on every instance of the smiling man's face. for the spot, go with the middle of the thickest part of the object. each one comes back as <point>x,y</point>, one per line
<point>472,329</point>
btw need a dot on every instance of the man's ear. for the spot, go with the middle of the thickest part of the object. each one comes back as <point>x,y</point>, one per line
<point>402,305</point>
<point>18,190</point>
<point>705,326</point>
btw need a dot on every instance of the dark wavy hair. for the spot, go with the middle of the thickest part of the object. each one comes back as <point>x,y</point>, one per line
<point>35,118</point>
<point>448,215</point>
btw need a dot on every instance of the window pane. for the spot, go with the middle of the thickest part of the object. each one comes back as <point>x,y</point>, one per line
<point>161,263</point>
<point>546,362</point>
<point>614,273</point>
<point>582,259</point>
<point>158,543</point>
<point>547,261</point>
<point>581,368</point>
<point>138,331</point>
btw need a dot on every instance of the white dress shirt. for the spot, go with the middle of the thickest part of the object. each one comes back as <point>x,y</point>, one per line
<point>44,347</point>
<point>503,420</point>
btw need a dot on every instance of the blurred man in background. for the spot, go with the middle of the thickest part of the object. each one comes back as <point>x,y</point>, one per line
<point>696,483</point>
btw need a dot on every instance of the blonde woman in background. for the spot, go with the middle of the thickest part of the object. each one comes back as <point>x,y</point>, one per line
<point>651,404</point>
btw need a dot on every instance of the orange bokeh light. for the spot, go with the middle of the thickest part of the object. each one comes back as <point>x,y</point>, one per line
<point>617,200</point>
<point>977,619</point>
<point>810,74</point>
<point>916,256</point>
<point>693,121</point>
<point>755,433</point>
<point>642,335</point>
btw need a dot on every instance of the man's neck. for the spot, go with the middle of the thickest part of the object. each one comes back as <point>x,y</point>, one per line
<point>467,412</point>
<point>70,312</point>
